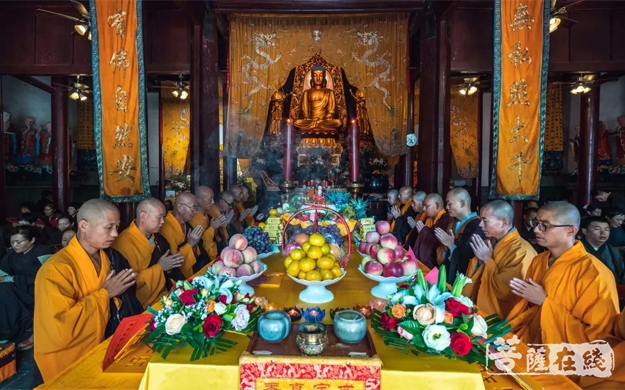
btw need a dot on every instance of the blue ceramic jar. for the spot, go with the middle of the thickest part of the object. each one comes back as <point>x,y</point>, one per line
<point>274,325</point>
<point>350,326</point>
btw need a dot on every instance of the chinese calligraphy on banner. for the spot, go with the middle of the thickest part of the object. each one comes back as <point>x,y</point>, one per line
<point>519,96</point>
<point>119,99</point>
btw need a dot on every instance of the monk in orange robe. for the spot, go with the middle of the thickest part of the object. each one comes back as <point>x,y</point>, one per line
<point>399,226</point>
<point>568,296</point>
<point>226,206</point>
<point>495,265</point>
<point>148,252</point>
<point>212,221</point>
<point>251,212</point>
<point>82,292</point>
<point>181,237</point>
<point>426,245</point>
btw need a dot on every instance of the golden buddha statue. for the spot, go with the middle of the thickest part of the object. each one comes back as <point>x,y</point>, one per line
<point>318,107</point>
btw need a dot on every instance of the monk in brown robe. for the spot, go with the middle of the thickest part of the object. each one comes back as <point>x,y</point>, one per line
<point>239,211</point>
<point>82,292</point>
<point>568,296</point>
<point>400,227</point>
<point>426,245</point>
<point>456,251</point>
<point>182,238</point>
<point>148,252</point>
<point>417,206</point>
<point>495,265</point>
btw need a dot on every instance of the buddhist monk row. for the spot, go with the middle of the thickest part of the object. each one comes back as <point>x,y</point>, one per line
<point>83,291</point>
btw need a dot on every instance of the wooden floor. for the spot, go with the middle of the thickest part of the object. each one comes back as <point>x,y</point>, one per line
<point>26,370</point>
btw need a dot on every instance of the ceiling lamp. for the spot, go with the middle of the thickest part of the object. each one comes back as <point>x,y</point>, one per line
<point>83,97</point>
<point>74,95</point>
<point>175,92</point>
<point>554,23</point>
<point>469,88</point>
<point>184,94</point>
<point>581,86</point>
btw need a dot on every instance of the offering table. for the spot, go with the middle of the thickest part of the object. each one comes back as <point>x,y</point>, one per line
<point>221,372</point>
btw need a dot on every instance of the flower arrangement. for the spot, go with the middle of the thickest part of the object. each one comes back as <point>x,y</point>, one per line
<point>198,313</point>
<point>428,318</point>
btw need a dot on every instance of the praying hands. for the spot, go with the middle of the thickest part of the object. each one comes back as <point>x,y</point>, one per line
<point>530,290</point>
<point>483,250</point>
<point>446,239</point>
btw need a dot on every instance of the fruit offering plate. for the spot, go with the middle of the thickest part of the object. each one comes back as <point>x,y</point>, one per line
<point>244,288</point>
<point>315,291</point>
<point>275,249</point>
<point>386,285</point>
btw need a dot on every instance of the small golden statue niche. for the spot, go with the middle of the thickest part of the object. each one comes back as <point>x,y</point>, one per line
<point>362,116</point>
<point>318,106</point>
<point>277,105</point>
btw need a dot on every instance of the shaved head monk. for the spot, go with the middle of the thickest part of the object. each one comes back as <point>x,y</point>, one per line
<point>417,206</point>
<point>246,216</point>
<point>400,227</point>
<point>148,252</point>
<point>427,244</point>
<point>568,296</point>
<point>237,207</point>
<point>82,292</point>
<point>181,237</point>
<point>226,206</point>
<point>497,261</point>
<point>209,217</point>
<point>457,237</point>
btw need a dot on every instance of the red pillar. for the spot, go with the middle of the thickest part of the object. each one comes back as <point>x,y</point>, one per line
<point>60,145</point>
<point>127,212</point>
<point>517,205</point>
<point>434,170</point>
<point>204,105</point>
<point>477,182</point>
<point>407,159</point>
<point>443,161</point>
<point>588,134</point>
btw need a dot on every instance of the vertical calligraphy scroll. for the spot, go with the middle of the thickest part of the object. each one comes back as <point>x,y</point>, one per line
<point>519,96</point>
<point>119,99</point>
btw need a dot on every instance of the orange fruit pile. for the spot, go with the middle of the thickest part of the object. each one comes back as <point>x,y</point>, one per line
<point>314,261</point>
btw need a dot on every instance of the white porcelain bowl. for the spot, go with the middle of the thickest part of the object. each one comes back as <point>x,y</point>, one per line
<point>315,291</point>
<point>386,285</point>
<point>245,288</point>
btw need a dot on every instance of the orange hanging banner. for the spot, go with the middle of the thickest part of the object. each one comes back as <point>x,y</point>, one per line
<point>119,99</point>
<point>521,60</point>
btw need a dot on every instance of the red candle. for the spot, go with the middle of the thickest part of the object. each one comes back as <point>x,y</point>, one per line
<point>287,162</point>
<point>354,153</point>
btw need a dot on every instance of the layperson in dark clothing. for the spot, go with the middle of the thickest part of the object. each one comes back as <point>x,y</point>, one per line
<point>17,287</point>
<point>596,231</point>
<point>617,236</point>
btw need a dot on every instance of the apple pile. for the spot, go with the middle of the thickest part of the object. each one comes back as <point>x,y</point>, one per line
<point>237,259</point>
<point>382,254</point>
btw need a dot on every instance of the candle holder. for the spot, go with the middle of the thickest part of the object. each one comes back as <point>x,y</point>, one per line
<point>377,304</point>
<point>365,310</point>
<point>311,338</point>
<point>294,312</point>
<point>314,314</point>
<point>355,189</point>
<point>271,306</point>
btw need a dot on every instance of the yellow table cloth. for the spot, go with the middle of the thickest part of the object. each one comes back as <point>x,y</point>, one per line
<point>221,372</point>
<point>430,372</point>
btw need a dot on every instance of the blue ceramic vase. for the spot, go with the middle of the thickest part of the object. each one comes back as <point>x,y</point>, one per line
<point>274,325</point>
<point>350,326</point>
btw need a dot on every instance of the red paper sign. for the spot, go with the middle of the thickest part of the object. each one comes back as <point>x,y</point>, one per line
<point>125,334</point>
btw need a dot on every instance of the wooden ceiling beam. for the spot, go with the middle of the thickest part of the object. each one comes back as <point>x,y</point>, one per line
<point>194,10</point>
<point>316,6</point>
